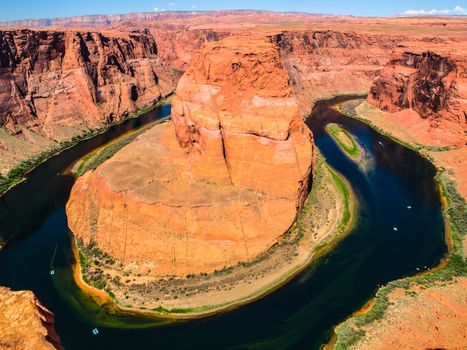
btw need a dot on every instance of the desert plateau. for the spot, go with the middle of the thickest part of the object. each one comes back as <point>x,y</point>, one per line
<point>207,176</point>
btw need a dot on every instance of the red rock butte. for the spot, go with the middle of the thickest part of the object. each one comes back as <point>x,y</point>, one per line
<point>219,184</point>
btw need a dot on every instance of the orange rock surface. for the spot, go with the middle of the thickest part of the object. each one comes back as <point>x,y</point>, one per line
<point>432,318</point>
<point>216,186</point>
<point>431,85</point>
<point>24,323</point>
<point>422,99</point>
<point>57,84</point>
<point>326,63</point>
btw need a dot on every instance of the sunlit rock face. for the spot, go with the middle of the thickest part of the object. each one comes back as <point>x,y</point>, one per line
<point>55,85</point>
<point>72,77</point>
<point>25,323</point>
<point>325,63</point>
<point>433,85</point>
<point>217,185</point>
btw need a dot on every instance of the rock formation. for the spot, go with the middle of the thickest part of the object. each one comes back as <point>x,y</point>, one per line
<point>76,76</point>
<point>216,186</point>
<point>177,44</point>
<point>434,86</point>
<point>55,84</point>
<point>327,63</point>
<point>25,323</point>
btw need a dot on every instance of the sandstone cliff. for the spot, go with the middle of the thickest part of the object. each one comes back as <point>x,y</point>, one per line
<point>218,185</point>
<point>434,86</point>
<point>176,43</point>
<point>56,84</point>
<point>24,323</point>
<point>326,63</point>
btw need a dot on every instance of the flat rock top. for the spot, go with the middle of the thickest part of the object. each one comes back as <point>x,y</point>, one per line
<point>155,169</point>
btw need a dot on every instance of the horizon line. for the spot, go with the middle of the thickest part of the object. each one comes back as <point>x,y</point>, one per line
<point>402,15</point>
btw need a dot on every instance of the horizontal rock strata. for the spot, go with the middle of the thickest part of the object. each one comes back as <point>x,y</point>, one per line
<point>57,84</point>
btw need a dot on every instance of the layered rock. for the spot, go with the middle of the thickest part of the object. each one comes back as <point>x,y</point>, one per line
<point>434,86</point>
<point>176,44</point>
<point>327,63</point>
<point>25,323</point>
<point>55,84</point>
<point>218,185</point>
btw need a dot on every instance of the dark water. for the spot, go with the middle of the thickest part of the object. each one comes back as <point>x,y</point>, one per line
<point>300,315</point>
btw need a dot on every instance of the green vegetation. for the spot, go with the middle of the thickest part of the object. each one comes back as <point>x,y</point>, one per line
<point>348,108</point>
<point>346,198</point>
<point>455,212</point>
<point>17,174</point>
<point>162,310</point>
<point>91,259</point>
<point>349,332</point>
<point>345,141</point>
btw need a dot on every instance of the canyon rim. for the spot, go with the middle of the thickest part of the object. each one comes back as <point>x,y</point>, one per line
<point>229,198</point>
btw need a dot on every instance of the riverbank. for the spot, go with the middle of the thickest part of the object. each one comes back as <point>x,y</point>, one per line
<point>401,303</point>
<point>445,155</point>
<point>328,215</point>
<point>19,173</point>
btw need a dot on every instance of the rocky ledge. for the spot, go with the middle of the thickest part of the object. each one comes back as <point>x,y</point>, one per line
<point>25,323</point>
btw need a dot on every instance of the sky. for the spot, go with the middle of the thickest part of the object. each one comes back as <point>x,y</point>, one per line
<point>22,9</point>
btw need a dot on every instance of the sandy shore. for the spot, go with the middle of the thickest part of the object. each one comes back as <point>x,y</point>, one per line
<point>320,225</point>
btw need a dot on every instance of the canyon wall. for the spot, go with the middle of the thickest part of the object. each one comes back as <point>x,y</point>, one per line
<point>322,64</point>
<point>434,86</point>
<point>25,323</point>
<point>57,84</point>
<point>176,44</point>
<point>217,185</point>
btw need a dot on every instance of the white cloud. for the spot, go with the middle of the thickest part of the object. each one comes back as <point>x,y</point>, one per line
<point>456,11</point>
<point>172,4</point>
<point>193,6</point>
<point>156,9</point>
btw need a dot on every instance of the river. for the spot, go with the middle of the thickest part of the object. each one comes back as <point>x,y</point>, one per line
<point>400,231</point>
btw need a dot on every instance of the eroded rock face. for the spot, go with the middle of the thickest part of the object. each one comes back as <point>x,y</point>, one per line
<point>75,77</point>
<point>216,186</point>
<point>56,84</point>
<point>434,86</point>
<point>25,323</point>
<point>326,63</point>
<point>177,44</point>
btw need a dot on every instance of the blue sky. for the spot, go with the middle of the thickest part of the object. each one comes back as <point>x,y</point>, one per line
<point>20,9</point>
